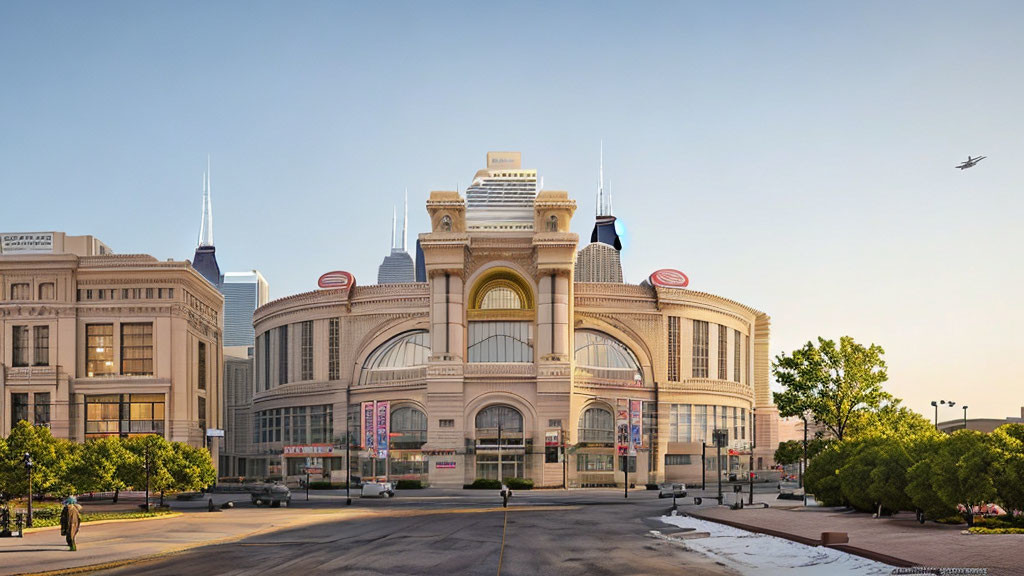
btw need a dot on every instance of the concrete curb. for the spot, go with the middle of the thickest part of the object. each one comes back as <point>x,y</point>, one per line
<point>864,553</point>
<point>167,516</point>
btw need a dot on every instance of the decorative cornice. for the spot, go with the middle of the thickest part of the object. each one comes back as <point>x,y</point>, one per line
<point>500,370</point>
<point>711,386</point>
<point>298,389</point>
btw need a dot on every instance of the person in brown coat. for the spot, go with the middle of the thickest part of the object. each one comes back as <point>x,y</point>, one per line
<point>70,518</point>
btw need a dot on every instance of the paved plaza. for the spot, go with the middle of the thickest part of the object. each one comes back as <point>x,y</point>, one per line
<point>461,532</point>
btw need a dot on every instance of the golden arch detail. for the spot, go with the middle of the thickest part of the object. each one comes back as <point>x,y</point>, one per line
<point>515,289</point>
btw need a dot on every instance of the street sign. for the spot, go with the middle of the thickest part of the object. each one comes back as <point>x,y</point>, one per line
<point>214,433</point>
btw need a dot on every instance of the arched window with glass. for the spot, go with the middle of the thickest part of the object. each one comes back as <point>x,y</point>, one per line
<point>403,357</point>
<point>597,426</point>
<point>600,356</point>
<point>501,314</point>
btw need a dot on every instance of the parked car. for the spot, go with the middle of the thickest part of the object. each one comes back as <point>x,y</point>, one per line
<point>378,490</point>
<point>671,490</point>
<point>273,494</point>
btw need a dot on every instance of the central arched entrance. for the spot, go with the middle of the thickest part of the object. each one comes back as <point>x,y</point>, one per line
<point>500,446</point>
<point>595,453</point>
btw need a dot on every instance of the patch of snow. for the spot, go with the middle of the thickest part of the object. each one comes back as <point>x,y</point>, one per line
<point>752,553</point>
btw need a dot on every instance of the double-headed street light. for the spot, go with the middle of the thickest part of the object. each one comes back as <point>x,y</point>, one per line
<point>944,403</point>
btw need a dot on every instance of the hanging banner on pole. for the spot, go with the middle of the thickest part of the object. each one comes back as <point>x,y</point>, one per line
<point>383,427</point>
<point>621,426</point>
<point>369,430</point>
<point>636,425</point>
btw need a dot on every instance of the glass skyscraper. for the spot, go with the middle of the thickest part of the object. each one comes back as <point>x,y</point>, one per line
<point>243,293</point>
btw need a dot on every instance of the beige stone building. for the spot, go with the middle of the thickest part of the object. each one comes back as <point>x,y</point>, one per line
<point>96,344</point>
<point>502,365</point>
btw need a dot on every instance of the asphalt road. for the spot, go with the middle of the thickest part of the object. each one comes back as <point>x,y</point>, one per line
<point>590,533</point>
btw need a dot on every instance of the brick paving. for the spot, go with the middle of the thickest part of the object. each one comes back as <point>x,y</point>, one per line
<point>900,538</point>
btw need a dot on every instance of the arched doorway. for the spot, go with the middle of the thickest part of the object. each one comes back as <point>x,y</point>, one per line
<point>500,446</point>
<point>408,435</point>
<point>595,453</point>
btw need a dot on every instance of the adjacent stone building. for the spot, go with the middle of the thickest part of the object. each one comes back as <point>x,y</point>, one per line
<point>95,344</point>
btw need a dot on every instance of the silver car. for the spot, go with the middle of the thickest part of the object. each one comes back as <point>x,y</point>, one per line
<point>272,494</point>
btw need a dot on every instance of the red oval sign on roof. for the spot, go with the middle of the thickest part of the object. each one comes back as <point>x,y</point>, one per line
<point>338,279</point>
<point>668,278</point>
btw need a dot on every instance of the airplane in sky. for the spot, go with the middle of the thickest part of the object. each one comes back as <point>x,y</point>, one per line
<point>970,162</point>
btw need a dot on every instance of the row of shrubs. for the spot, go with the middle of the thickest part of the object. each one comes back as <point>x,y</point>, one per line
<point>513,483</point>
<point>931,472</point>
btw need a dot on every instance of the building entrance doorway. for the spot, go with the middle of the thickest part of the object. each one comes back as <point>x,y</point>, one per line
<point>500,444</point>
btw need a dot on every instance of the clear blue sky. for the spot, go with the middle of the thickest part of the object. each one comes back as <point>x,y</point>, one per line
<point>796,157</point>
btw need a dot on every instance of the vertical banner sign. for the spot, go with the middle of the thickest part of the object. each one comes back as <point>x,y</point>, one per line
<point>369,430</point>
<point>636,422</point>
<point>621,426</point>
<point>383,428</point>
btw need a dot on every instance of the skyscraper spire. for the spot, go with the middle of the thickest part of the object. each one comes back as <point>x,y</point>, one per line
<point>206,226</point>
<point>205,258</point>
<point>394,220</point>
<point>209,203</point>
<point>604,200</point>
<point>405,224</point>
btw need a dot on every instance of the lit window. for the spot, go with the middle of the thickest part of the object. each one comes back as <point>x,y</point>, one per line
<point>99,350</point>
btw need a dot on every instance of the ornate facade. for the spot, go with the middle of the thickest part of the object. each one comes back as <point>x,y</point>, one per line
<point>501,365</point>
<point>111,345</point>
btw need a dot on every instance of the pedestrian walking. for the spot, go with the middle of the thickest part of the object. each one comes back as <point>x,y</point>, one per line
<point>70,518</point>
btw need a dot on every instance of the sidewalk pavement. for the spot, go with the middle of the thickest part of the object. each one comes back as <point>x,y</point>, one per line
<point>900,538</point>
<point>122,541</point>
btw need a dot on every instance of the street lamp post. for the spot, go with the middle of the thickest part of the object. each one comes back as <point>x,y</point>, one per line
<point>753,444</point>
<point>965,417</point>
<point>147,477</point>
<point>703,464</point>
<point>28,468</point>
<point>944,403</point>
<point>348,463</point>
<point>804,464</point>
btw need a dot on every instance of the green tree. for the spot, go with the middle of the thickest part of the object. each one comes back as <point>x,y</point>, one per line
<point>152,452</point>
<point>834,384</point>
<point>890,420</point>
<point>958,469</point>
<point>190,468</point>
<point>789,452</point>
<point>822,477</point>
<point>99,466</point>
<point>1008,440</point>
<point>43,447</point>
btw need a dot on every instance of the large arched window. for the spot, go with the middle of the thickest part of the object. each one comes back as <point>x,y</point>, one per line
<point>605,357</point>
<point>501,314</point>
<point>507,417</point>
<point>408,428</point>
<point>597,426</point>
<point>394,359</point>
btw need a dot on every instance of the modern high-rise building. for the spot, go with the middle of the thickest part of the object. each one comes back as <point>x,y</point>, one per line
<point>501,196</point>
<point>398,267</point>
<point>205,258</point>
<point>600,261</point>
<point>243,292</point>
